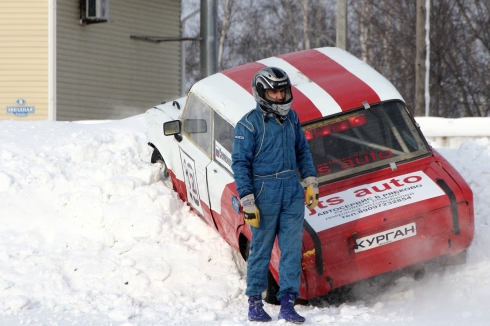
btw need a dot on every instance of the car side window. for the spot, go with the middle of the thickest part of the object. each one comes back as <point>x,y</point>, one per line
<point>197,122</point>
<point>223,141</point>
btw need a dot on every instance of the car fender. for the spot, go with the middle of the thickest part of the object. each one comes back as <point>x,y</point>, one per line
<point>166,145</point>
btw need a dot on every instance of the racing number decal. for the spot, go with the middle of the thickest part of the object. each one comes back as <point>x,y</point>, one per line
<point>190,179</point>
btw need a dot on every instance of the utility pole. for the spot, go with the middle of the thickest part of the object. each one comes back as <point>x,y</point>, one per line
<point>209,37</point>
<point>420,58</point>
<point>182,51</point>
<point>341,38</point>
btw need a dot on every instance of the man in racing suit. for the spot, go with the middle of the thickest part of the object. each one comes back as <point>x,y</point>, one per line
<point>268,150</point>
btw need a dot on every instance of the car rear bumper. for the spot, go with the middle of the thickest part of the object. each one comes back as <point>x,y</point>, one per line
<point>341,264</point>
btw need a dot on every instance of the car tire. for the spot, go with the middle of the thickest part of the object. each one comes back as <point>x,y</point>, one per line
<point>156,157</point>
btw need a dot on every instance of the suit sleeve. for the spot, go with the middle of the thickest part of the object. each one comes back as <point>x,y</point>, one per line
<point>304,161</point>
<point>242,158</point>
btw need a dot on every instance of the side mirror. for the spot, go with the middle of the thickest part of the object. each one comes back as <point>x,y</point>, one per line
<point>172,127</point>
<point>195,126</point>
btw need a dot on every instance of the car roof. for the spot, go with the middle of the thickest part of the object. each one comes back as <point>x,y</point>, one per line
<point>325,81</point>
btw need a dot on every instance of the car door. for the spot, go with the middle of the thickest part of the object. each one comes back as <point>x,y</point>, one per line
<point>195,154</point>
<point>225,205</point>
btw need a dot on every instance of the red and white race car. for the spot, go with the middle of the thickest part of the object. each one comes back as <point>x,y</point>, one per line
<point>387,200</point>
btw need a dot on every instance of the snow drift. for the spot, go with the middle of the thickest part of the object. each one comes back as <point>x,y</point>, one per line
<point>91,234</point>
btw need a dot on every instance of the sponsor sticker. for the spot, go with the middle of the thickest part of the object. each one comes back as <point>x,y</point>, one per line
<point>190,179</point>
<point>386,237</point>
<point>235,203</point>
<point>369,199</point>
<point>222,156</point>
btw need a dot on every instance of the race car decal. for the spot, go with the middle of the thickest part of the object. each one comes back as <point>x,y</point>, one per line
<point>325,88</point>
<point>235,203</point>
<point>383,88</point>
<point>351,161</point>
<point>242,75</point>
<point>358,202</point>
<point>321,99</point>
<point>327,73</point>
<point>222,156</point>
<point>302,104</point>
<point>190,179</point>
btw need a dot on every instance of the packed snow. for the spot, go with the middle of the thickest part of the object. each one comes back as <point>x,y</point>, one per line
<point>91,234</point>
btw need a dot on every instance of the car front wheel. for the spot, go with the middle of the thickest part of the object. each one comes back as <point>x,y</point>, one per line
<point>156,157</point>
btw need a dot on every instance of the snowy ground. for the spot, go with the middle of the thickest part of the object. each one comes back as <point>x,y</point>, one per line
<point>91,235</point>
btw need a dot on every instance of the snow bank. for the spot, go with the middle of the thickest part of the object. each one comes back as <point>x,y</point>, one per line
<point>91,235</point>
<point>87,226</point>
<point>452,133</point>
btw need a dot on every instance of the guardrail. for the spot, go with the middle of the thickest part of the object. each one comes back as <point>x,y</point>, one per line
<point>451,133</point>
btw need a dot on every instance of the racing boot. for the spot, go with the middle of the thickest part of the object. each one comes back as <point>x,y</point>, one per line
<point>287,311</point>
<point>256,311</point>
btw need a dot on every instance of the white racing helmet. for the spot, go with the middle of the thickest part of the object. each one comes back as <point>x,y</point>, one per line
<point>272,78</point>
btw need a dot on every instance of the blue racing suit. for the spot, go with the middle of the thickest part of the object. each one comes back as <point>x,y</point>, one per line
<point>266,157</point>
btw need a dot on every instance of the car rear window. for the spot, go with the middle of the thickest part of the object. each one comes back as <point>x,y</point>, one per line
<point>363,140</point>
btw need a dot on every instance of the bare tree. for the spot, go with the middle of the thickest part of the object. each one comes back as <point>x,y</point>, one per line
<point>380,32</point>
<point>383,35</point>
<point>460,59</point>
<point>225,26</point>
<point>476,18</point>
<point>365,10</point>
<point>192,48</point>
<point>304,6</point>
<point>420,55</point>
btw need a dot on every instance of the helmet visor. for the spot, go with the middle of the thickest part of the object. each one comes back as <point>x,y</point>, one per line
<point>278,96</point>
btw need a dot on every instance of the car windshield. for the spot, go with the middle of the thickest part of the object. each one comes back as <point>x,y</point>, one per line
<point>363,140</point>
